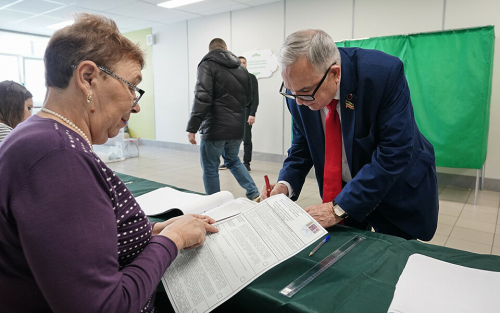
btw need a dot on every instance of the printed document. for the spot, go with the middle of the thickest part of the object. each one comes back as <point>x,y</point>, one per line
<point>245,247</point>
<point>430,285</point>
<point>166,198</point>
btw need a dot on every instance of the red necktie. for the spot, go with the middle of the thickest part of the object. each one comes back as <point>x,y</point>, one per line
<point>332,177</point>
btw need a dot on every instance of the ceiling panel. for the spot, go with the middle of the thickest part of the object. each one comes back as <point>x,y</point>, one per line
<point>33,16</point>
<point>12,16</point>
<point>67,12</point>
<point>64,2</point>
<point>31,30</point>
<point>166,16</point>
<point>255,3</point>
<point>34,6</point>
<point>139,9</point>
<point>154,1</point>
<point>6,3</point>
<point>232,7</point>
<point>101,5</point>
<point>207,5</point>
<point>40,21</point>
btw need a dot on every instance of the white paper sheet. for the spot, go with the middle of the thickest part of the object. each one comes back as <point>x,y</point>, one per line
<point>230,209</point>
<point>166,198</point>
<point>429,285</point>
<point>245,247</point>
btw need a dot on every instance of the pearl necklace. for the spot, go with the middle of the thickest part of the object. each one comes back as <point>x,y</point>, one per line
<point>70,123</point>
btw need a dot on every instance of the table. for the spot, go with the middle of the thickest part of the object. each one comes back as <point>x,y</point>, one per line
<point>363,280</point>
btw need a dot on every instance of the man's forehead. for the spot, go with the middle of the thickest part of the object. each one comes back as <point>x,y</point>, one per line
<point>298,78</point>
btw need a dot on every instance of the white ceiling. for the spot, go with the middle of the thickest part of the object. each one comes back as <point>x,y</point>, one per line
<point>33,16</point>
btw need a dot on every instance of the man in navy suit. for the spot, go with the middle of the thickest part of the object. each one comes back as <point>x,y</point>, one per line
<point>388,166</point>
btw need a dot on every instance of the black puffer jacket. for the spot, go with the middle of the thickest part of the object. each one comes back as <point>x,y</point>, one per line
<point>223,91</point>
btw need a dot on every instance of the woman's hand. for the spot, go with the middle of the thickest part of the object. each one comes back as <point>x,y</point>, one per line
<point>158,227</point>
<point>188,231</point>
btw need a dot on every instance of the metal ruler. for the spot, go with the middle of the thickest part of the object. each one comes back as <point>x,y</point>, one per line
<point>296,285</point>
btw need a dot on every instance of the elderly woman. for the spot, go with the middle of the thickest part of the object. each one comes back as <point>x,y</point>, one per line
<point>16,103</point>
<point>72,237</point>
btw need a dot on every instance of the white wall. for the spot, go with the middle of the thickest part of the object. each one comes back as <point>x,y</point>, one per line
<point>170,75</point>
<point>270,118</point>
<point>266,26</point>
<point>200,32</point>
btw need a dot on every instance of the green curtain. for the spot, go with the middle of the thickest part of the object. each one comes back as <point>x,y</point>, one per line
<point>449,74</point>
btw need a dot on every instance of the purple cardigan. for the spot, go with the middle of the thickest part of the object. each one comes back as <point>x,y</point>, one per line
<point>72,237</point>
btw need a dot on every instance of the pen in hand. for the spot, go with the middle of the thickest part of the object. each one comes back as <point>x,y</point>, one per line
<point>268,185</point>
<point>319,245</point>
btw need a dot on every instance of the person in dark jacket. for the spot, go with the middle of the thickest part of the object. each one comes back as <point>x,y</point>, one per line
<point>250,112</point>
<point>250,118</point>
<point>222,92</point>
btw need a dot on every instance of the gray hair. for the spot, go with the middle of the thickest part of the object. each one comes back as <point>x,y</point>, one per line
<point>314,44</point>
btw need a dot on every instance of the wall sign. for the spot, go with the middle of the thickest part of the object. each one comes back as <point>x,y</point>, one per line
<point>261,63</point>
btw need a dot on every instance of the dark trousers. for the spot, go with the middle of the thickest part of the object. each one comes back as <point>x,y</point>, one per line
<point>247,140</point>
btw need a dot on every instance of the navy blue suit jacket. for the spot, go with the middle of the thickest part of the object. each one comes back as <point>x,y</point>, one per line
<point>392,164</point>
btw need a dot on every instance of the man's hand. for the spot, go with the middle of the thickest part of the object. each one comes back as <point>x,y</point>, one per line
<point>251,120</point>
<point>192,138</point>
<point>275,189</point>
<point>323,214</point>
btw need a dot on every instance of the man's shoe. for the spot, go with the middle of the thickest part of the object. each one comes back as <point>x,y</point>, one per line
<point>256,199</point>
<point>247,165</point>
<point>222,167</point>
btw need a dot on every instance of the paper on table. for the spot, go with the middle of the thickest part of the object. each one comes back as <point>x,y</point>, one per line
<point>166,198</point>
<point>430,285</point>
<point>230,209</point>
<point>245,247</point>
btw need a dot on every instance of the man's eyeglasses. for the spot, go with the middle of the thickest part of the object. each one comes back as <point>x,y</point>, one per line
<point>138,91</point>
<point>304,97</point>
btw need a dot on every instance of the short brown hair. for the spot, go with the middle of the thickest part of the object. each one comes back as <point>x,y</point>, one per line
<point>92,37</point>
<point>217,43</point>
<point>12,98</point>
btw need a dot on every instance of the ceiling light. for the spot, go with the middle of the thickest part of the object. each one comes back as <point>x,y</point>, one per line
<point>176,3</point>
<point>61,24</point>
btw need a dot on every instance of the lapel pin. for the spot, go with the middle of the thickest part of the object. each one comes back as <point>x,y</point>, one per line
<point>348,103</point>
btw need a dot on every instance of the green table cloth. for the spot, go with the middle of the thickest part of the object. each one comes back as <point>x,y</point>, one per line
<point>364,280</point>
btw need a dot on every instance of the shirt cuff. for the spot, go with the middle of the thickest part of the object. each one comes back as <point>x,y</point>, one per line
<point>290,189</point>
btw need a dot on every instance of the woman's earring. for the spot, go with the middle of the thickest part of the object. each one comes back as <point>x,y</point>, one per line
<point>88,98</point>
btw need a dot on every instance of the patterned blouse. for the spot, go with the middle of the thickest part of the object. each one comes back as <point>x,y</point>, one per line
<point>72,236</point>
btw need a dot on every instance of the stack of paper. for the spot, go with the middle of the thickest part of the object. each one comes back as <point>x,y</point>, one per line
<point>429,285</point>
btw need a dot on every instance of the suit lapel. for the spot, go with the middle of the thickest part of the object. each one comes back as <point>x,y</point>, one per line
<point>348,86</point>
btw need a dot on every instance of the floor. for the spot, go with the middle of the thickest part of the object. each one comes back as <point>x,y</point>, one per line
<point>461,225</point>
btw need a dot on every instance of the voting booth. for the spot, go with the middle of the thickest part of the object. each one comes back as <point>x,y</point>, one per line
<point>449,74</point>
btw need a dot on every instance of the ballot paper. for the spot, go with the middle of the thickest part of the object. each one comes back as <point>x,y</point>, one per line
<point>430,285</point>
<point>245,247</point>
<point>166,198</point>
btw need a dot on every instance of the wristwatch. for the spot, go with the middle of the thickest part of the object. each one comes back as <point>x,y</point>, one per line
<point>337,210</point>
